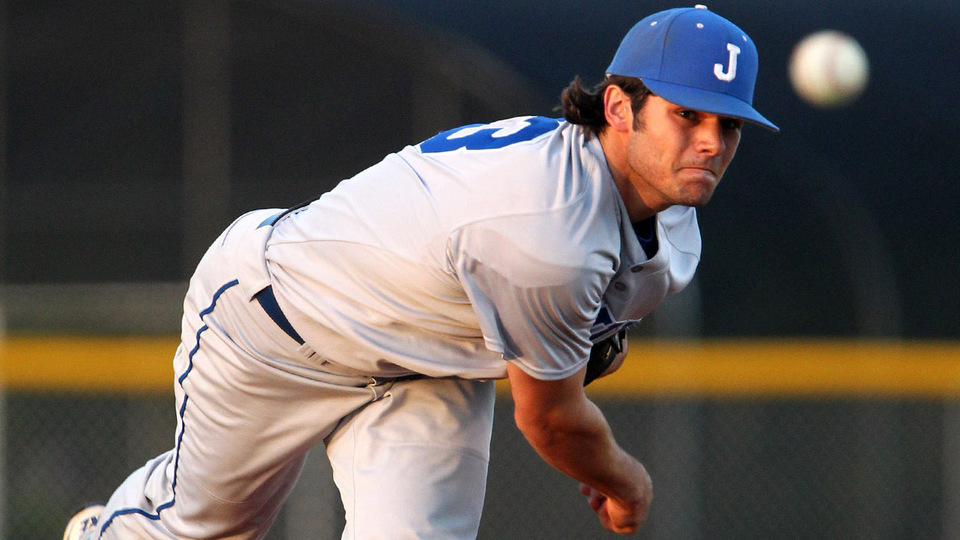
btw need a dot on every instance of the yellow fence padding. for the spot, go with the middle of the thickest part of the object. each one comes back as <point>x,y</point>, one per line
<point>716,368</point>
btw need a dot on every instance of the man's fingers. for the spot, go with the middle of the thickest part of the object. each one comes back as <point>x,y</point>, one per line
<point>594,498</point>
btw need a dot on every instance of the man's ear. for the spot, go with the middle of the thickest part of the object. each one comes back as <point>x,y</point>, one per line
<point>617,108</point>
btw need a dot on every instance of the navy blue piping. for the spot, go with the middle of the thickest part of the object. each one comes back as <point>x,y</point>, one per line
<point>268,301</point>
<point>183,408</point>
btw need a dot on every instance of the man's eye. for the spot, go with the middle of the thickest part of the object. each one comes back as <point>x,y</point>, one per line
<point>732,123</point>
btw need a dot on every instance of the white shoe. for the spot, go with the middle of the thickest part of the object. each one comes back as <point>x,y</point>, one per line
<point>84,520</point>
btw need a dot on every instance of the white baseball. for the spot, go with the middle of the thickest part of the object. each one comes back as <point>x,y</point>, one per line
<point>829,69</point>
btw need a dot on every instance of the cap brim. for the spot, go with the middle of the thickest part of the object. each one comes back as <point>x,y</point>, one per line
<point>707,101</point>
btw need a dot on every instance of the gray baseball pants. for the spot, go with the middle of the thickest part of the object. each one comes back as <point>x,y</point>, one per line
<point>409,456</point>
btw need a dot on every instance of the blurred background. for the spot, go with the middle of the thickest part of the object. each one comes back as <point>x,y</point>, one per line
<point>131,133</point>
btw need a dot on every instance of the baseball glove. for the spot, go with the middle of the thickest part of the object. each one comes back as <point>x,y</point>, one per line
<point>602,356</point>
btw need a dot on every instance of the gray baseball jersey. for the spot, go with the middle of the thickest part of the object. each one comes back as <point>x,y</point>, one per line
<point>484,244</point>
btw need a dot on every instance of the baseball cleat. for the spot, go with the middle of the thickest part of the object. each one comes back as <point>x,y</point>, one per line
<point>84,520</point>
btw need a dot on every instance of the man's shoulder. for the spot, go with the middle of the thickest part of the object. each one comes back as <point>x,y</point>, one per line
<point>488,136</point>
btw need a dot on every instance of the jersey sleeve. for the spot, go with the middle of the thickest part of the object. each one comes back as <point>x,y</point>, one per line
<point>536,293</point>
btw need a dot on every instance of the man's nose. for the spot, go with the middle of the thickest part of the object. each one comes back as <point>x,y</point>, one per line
<point>709,137</point>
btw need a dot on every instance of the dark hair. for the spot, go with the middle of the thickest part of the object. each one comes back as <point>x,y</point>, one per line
<point>585,107</point>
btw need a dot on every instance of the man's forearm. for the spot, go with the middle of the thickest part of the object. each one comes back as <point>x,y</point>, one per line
<point>576,439</point>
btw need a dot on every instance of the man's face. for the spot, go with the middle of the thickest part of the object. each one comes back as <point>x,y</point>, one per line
<point>676,155</point>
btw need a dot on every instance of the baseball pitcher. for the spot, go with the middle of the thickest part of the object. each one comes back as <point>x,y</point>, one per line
<point>372,321</point>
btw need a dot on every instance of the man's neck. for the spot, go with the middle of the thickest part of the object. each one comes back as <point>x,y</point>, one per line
<point>613,152</point>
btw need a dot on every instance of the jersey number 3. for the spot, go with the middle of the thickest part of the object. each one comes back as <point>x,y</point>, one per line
<point>489,136</point>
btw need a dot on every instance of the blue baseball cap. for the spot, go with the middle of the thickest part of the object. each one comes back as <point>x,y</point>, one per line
<point>694,58</point>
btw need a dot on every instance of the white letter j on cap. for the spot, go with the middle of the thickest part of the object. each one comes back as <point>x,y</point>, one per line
<point>732,68</point>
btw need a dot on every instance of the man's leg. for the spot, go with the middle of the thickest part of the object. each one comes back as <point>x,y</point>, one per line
<point>249,407</point>
<point>413,464</point>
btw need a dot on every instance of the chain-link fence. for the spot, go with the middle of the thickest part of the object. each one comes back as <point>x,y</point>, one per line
<point>737,468</point>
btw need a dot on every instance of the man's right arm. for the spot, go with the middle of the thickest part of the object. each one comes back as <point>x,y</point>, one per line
<point>571,434</point>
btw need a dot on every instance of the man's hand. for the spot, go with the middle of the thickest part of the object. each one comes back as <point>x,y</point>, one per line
<point>614,516</point>
<point>570,433</point>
